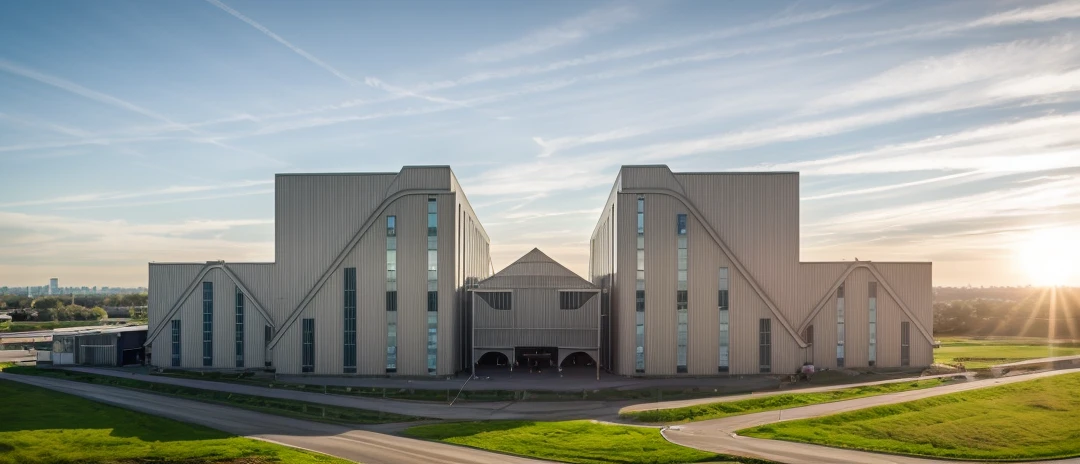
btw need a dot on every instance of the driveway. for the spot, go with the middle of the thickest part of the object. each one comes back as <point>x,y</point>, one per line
<point>356,445</point>
<point>718,435</point>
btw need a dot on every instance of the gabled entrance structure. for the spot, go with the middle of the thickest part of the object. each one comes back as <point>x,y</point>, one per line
<point>538,314</point>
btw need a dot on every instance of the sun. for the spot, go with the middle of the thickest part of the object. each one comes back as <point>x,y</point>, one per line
<point>1049,256</point>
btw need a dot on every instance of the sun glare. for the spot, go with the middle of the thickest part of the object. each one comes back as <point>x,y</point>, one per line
<point>1049,256</point>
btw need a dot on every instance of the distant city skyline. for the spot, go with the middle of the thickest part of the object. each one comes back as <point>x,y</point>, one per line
<point>927,131</point>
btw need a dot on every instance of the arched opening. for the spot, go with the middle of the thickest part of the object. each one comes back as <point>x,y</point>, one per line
<point>578,359</point>
<point>493,358</point>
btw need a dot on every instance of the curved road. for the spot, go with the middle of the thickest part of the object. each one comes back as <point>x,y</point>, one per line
<point>357,445</point>
<point>718,435</point>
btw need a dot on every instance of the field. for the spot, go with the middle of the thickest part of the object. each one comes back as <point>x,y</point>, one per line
<point>41,426</point>
<point>773,402</point>
<point>976,353</point>
<point>281,407</point>
<point>583,442</point>
<point>1037,419</point>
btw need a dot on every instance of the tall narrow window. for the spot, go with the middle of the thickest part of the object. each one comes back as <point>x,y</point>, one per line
<point>639,355</point>
<point>905,343</point>
<point>349,364</point>
<point>175,342</point>
<point>681,299</point>
<point>268,334</point>
<point>840,326</point>
<point>872,291</point>
<point>391,294</point>
<point>725,328</point>
<point>239,328</point>
<point>308,346</point>
<point>765,346</point>
<point>432,285</point>
<point>208,324</point>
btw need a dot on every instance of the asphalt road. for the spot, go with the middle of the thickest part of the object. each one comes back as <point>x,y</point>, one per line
<point>718,435</point>
<point>546,410</point>
<point>357,445</point>
<point>725,399</point>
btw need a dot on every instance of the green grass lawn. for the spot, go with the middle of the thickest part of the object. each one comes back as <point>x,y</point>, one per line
<point>772,403</point>
<point>281,407</point>
<point>1037,419</point>
<point>568,441</point>
<point>42,426</point>
<point>981,354</point>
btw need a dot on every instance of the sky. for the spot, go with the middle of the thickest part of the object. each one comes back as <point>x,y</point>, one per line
<point>135,131</point>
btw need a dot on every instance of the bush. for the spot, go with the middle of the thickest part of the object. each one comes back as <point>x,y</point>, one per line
<point>47,302</point>
<point>98,314</point>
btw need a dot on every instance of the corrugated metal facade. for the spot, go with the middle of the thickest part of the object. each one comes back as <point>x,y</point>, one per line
<point>755,216</point>
<point>535,318</point>
<point>324,224</point>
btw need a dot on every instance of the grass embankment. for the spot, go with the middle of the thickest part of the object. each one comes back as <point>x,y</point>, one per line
<point>281,407</point>
<point>30,326</point>
<point>773,402</point>
<point>583,442</point>
<point>1037,419</point>
<point>41,426</point>
<point>983,353</point>
<point>447,394</point>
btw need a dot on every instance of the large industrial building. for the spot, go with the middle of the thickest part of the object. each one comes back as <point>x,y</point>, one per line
<point>389,274</point>
<point>703,277</point>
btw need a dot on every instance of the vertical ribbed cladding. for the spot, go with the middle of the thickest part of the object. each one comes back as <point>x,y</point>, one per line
<point>912,282</point>
<point>167,282</point>
<point>856,303</point>
<point>317,215</point>
<point>412,285</point>
<point>889,317</point>
<point>703,279</point>
<point>257,278</point>
<point>660,280</point>
<point>757,216</point>
<point>471,251</point>
<point>625,263</point>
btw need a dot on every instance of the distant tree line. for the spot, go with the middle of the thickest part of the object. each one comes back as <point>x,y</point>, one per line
<point>53,309</point>
<point>1031,314</point>
<point>12,302</point>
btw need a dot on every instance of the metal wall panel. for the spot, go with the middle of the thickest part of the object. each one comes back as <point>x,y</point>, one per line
<point>166,284</point>
<point>756,216</point>
<point>316,216</point>
<point>660,279</point>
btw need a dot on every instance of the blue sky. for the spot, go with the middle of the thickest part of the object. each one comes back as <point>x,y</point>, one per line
<point>150,131</point>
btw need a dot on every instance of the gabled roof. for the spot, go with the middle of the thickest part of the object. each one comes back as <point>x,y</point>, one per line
<point>535,270</point>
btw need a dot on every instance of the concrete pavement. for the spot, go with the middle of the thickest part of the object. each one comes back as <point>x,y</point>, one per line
<point>357,445</point>
<point>460,411</point>
<point>718,435</point>
<point>965,376</point>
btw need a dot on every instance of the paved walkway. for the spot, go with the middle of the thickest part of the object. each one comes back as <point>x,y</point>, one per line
<point>358,445</point>
<point>545,410</point>
<point>718,435</point>
<point>966,376</point>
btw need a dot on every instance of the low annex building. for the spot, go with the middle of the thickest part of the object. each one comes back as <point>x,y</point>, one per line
<point>390,274</point>
<point>536,312</point>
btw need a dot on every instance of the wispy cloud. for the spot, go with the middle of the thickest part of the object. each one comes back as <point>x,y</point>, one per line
<point>119,195</point>
<point>648,48</point>
<point>367,81</point>
<point>567,32</point>
<point>1030,145</point>
<point>1042,13</point>
<point>945,72</point>
<point>887,188</point>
